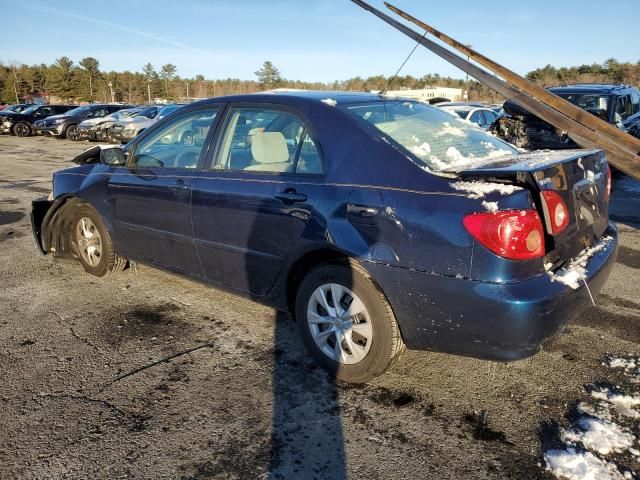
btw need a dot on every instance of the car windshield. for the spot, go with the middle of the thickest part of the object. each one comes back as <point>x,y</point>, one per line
<point>78,110</point>
<point>462,113</point>
<point>592,103</point>
<point>16,108</point>
<point>436,140</point>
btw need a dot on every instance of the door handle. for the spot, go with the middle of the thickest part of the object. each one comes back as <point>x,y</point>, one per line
<point>180,186</point>
<point>291,196</point>
<point>362,211</point>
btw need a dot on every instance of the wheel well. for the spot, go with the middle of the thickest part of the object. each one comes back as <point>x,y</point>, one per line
<point>304,264</point>
<point>56,225</point>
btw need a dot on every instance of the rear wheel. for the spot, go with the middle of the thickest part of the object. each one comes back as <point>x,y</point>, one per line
<point>73,133</point>
<point>93,244</point>
<point>22,129</point>
<point>346,322</point>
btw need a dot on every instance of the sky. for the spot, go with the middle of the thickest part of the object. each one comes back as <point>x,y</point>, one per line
<point>321,40</point>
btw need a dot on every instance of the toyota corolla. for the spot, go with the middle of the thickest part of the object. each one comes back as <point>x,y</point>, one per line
<point>378,223</point>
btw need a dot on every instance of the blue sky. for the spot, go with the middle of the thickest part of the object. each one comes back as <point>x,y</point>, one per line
<point>312,39</point>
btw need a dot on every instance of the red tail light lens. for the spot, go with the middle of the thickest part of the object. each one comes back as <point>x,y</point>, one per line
<point>558,211</point>
<point>513,234</point>
<point>607,193</point>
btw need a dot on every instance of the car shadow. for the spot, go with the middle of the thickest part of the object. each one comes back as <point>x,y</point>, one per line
<point>625,199</point>
<point>307,435</point>
<point>307,439</point>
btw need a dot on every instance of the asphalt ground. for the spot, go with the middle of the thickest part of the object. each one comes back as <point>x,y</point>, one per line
<point>87,391</point>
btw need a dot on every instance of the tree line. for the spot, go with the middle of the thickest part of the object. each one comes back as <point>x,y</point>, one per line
<point>85,81</point>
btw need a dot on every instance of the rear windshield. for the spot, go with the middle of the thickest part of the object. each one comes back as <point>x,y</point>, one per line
<point>436,140</point>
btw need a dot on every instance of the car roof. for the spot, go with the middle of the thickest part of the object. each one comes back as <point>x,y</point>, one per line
<point>300,96</point>
<point>587,88</point>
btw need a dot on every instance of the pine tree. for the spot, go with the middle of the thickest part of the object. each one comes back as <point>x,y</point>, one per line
<point>92,68</point>
<point>268,75</point>
<point>167,74</point>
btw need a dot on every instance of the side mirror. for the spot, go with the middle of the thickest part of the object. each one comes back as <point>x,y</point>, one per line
<point>113,156</point>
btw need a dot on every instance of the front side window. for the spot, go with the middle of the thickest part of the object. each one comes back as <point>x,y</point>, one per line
<point>267,140</point>
<point>178,144</point>
<point>98,112</point>
<point>436,140</point>
<point>44,112</point>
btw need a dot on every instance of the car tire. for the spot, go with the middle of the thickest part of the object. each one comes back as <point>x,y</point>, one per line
<point>370,338</point>
<point>72,133</point>
<point>92,243</point>
<point>22,129</point>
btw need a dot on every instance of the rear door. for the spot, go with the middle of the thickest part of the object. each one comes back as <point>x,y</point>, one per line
<point>253,202</point>
<point>151,197</point>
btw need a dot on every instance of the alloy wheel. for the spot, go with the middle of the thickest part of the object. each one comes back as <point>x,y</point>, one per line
<point>23,130</point>
<point>89,242</point>
<point>73,133</point>
<point>339,323</point>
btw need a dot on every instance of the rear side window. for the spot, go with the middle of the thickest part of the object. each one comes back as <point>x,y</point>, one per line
<point>267,140</point>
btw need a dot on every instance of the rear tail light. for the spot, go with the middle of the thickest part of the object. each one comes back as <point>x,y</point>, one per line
<point>513,234</point>
<point>607,192</point>
<point>558,211</point>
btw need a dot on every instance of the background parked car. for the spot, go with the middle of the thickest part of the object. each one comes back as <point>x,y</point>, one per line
<point>472,112</point>
<point>128,128</point>
<point>22,123</point>
<point>98,128</point>
<point>616,104</point>
<point>66,125</point>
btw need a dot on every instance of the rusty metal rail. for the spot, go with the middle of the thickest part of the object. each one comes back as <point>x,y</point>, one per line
<point>585,129</point>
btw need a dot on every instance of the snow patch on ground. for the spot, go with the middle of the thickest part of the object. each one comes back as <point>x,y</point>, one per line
<point>596,442</point>
<point>330,101</point>
<point>599,435</point>
<point>623,404</point>
<point>479,188</point>
<point>575,271</point>
<point>574,465</point>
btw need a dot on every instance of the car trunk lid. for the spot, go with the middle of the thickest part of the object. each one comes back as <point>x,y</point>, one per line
<point>579,177</point>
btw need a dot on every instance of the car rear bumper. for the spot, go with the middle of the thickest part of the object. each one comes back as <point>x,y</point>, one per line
<point>506,321</point>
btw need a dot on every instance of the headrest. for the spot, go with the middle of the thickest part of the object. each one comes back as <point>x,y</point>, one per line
<point>269,147</point>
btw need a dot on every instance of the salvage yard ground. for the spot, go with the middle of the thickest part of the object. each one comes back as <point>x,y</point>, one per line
<point>241,399</point>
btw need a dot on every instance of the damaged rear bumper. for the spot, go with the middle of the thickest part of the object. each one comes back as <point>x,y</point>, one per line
<point>507,321</point>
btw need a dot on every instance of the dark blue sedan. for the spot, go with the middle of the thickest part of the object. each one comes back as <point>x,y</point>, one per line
<point>378,223</point>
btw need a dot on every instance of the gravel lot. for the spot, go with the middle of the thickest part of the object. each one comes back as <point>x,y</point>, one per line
<point>247,402</point>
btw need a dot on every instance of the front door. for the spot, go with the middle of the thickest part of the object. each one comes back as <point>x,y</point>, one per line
<point>151,197</point>
<point>253,203</point>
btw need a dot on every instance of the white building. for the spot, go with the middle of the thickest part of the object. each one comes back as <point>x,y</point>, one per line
<point>429,94</point>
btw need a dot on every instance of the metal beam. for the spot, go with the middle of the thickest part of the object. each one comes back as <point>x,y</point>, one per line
<point>619,153</point>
